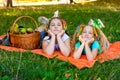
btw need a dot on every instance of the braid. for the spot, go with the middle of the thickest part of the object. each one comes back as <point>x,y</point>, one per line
<point>77,32</point>
<point>99,35</point>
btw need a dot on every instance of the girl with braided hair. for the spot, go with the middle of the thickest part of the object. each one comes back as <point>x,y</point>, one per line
<point>91,41</point>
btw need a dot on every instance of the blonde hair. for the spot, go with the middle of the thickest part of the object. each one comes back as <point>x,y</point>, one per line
<point>98,35</point>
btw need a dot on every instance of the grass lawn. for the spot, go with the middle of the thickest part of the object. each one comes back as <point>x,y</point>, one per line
<point>29,66</point>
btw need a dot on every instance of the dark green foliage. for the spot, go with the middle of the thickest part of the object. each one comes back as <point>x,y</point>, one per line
<point>29,66</point>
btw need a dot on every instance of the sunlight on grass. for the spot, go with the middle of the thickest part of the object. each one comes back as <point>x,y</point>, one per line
<point>84,1</point>
<point>27,66</point>
<point>112,8</point>
<point>9,14</point>
<point>33,7</point>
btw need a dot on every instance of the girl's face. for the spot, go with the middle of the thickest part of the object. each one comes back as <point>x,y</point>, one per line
<point>56,26</point>
<point>87,33</point>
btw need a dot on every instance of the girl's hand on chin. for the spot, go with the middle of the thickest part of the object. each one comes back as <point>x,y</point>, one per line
<point>89,41</point>
<point>50,33</point>
<point>61,33</point>
<point>81,39</point>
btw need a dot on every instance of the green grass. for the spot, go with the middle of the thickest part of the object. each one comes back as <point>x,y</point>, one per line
<point>29,66</point>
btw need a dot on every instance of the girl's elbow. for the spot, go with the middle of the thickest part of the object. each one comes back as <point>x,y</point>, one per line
<point>67,54</point>
<point>91,58</point>
<point>49,52</point>
<point>75,56</point>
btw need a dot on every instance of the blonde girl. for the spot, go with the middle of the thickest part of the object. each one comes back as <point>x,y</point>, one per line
<point>91,41</point>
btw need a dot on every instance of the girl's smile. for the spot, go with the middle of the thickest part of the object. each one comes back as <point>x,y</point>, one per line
<point>87,33</point>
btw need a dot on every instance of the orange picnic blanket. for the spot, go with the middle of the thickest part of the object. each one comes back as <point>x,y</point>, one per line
<point>113,52</point>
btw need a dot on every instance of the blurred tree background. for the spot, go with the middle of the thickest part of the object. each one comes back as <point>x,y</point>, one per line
<point>9,3</point>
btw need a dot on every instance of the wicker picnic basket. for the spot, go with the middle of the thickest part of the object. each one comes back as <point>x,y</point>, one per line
<point>25,41</point>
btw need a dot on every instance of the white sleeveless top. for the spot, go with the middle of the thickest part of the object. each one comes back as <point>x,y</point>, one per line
<point>64,37</point>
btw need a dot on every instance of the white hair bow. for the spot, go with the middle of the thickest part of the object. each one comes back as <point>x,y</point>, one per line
<point>56,14</point>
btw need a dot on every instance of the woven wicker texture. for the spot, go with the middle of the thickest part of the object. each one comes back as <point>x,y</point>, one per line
<point>26,41</point>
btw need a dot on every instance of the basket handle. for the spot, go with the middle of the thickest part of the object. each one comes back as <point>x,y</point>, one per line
<point>25,17</point>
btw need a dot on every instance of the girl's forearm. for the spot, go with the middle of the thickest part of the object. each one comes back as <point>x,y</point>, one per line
<point>65,49</point>
<point>78,52</point>
<point>88,52</point>
<point>50,48</point>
